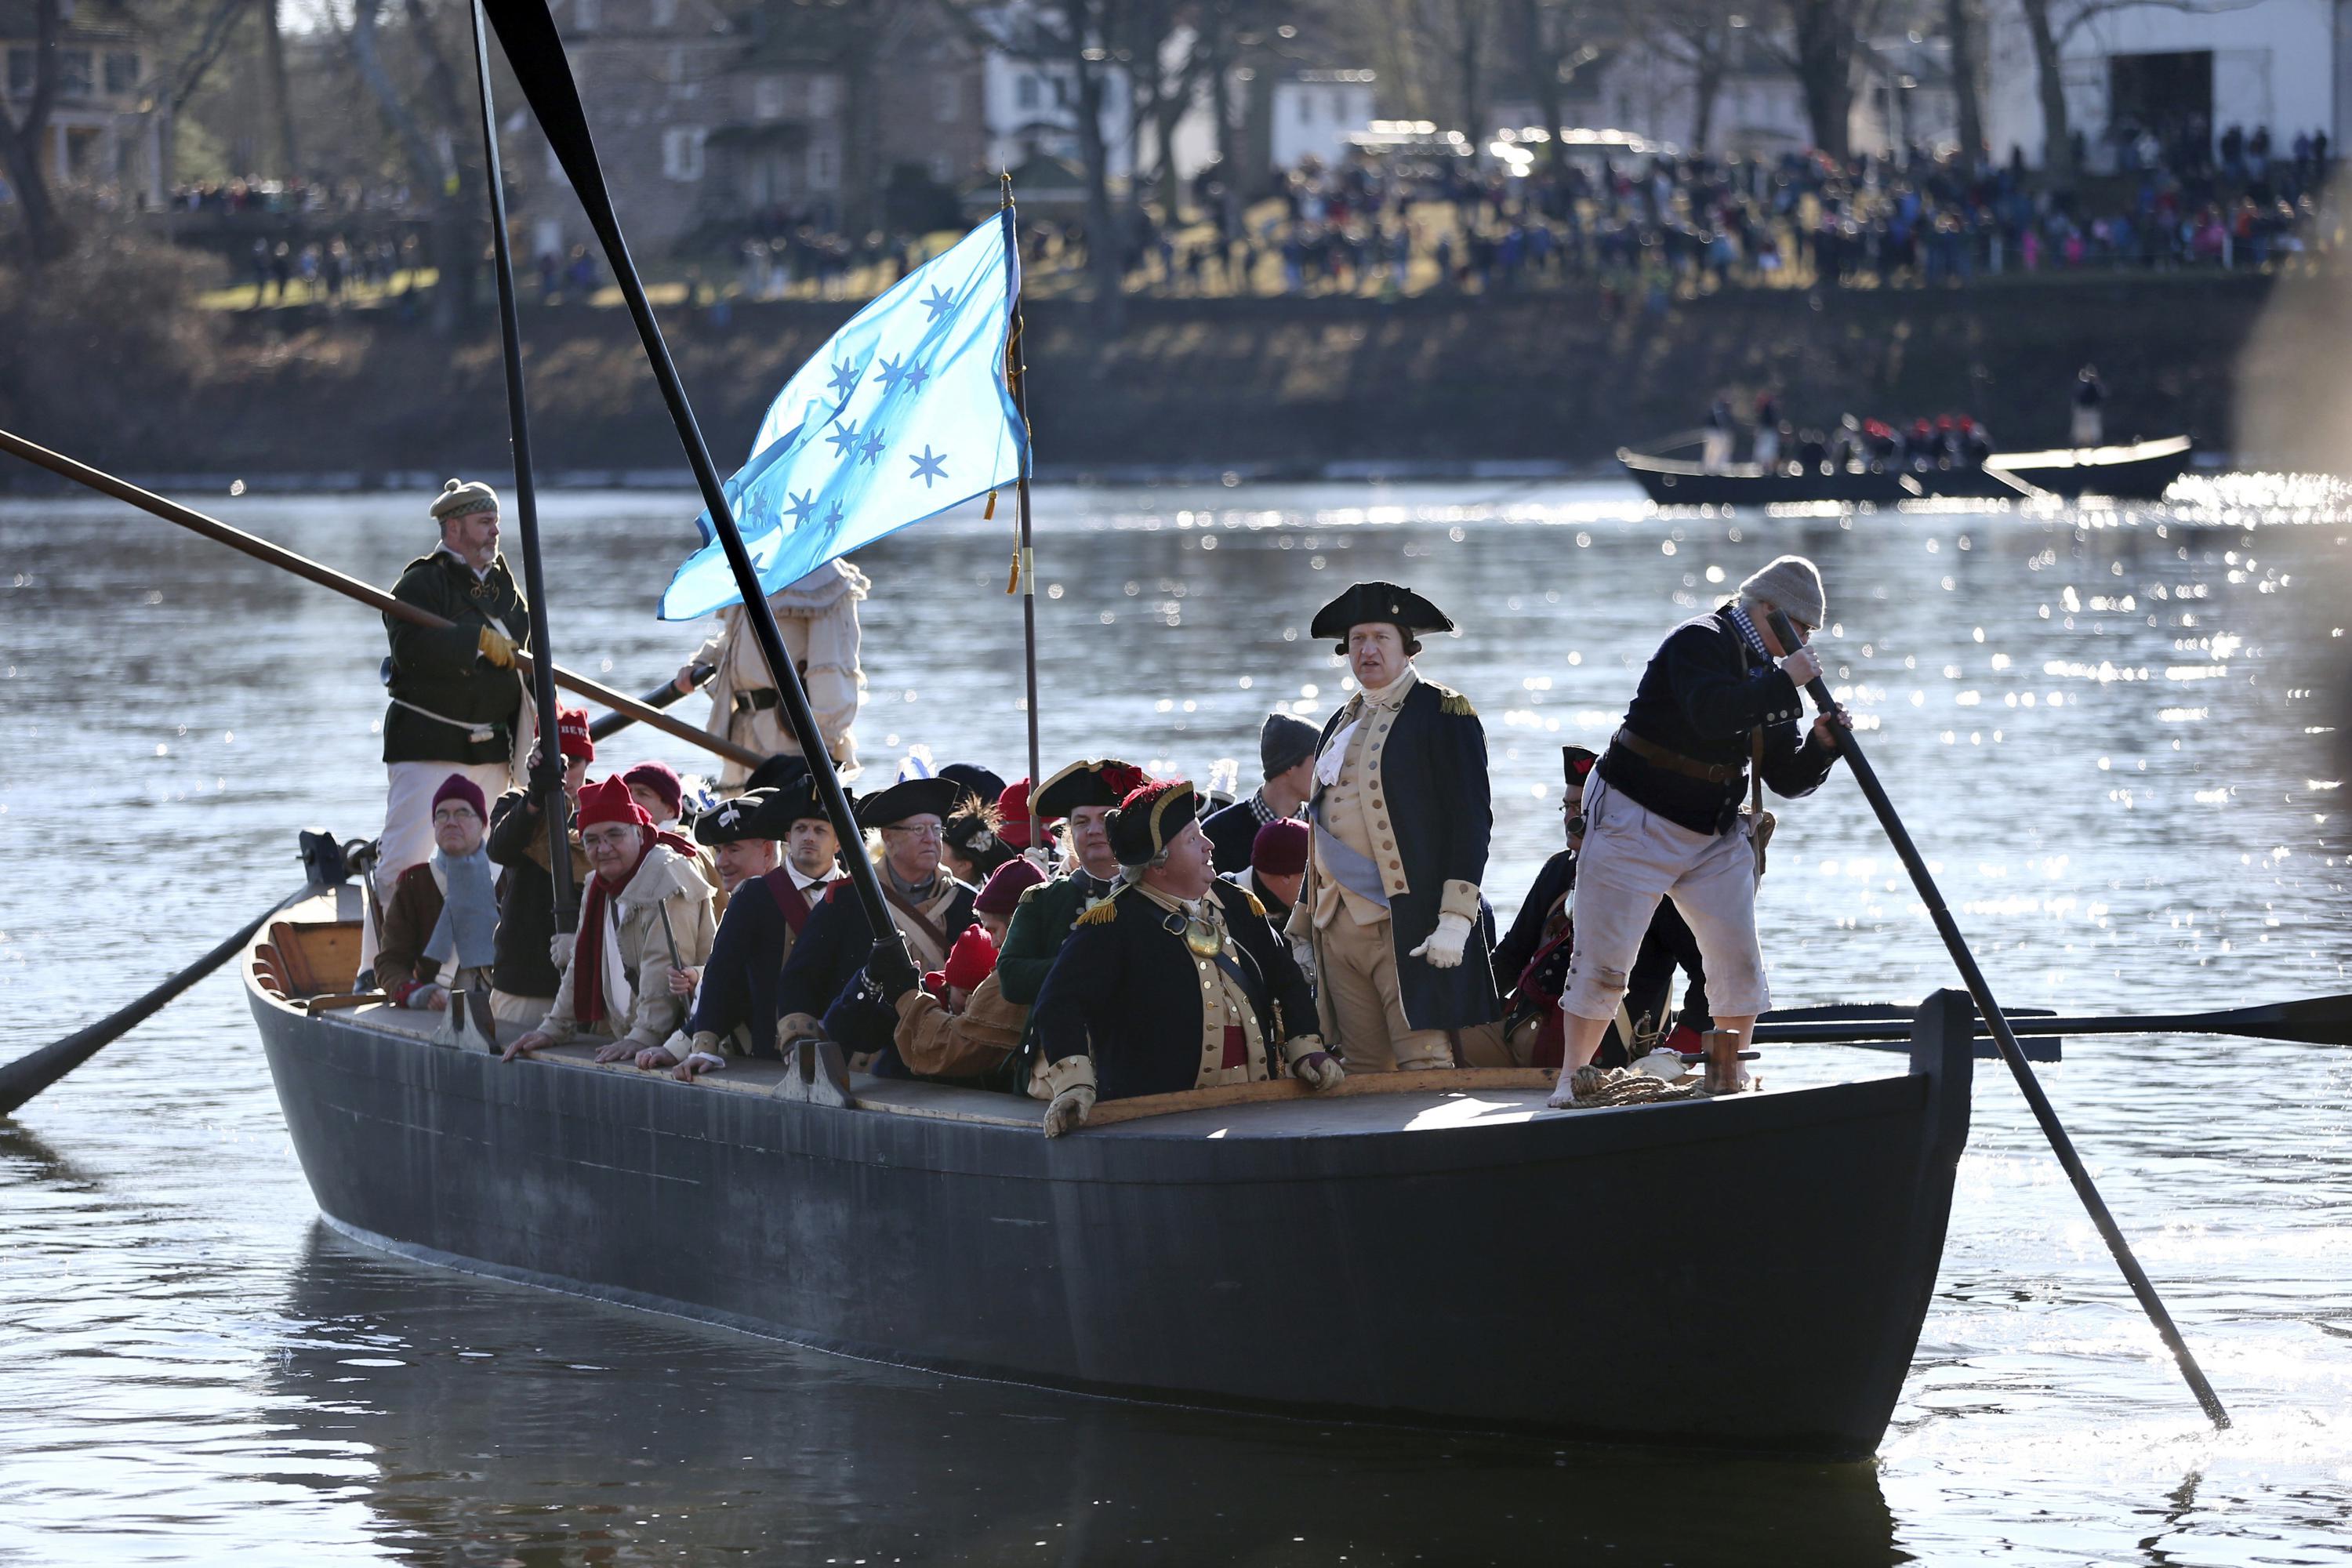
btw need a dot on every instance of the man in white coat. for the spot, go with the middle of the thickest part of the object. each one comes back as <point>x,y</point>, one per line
<point>818,618</point>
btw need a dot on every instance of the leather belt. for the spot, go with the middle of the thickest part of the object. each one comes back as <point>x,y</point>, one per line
<point>756,700</point>
<point>1674,762</point>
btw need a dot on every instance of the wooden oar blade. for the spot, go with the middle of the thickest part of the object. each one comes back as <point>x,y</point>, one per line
<point>2314,1020</point>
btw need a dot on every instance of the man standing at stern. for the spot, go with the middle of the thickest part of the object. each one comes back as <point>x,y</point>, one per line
<point>1662,811</point>
<point>1400,819</point>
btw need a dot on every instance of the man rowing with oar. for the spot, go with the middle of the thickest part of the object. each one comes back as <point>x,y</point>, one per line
<point>1663,813</point>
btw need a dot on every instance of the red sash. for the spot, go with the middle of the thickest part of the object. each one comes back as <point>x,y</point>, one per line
<point>788,896</point>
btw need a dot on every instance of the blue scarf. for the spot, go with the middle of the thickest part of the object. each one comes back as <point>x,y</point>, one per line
<point>469,910</point>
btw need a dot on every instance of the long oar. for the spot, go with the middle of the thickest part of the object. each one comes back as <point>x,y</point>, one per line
<point>534,50</point>
<point>367,594</point>
<point>1989,1012</point>
<point>36,1070</point>
<point>2314,1020</point>
<point>662,696</point>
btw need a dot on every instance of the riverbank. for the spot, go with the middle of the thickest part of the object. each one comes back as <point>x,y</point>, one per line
<point>1431,386</point>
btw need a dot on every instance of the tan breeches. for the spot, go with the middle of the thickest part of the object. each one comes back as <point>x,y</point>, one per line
<point>1357,966</point>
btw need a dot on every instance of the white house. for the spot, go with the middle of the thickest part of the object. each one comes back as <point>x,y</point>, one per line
<point>2210,64</point>
<point>1314,112</point>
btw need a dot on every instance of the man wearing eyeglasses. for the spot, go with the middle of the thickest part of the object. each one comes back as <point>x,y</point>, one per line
<point>929,906</point>
<point>1662,810</point>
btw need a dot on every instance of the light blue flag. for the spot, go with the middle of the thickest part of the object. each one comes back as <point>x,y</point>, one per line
<point>902,415</point>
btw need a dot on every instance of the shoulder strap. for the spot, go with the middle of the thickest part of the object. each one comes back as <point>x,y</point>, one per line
<point>1756,767</point>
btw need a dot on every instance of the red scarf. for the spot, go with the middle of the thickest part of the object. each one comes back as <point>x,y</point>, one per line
<point>588,948</point>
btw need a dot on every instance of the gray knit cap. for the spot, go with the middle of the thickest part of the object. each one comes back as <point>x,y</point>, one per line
<point>1792,583</point>
<point>1285,743</point>
<point>461,496</point>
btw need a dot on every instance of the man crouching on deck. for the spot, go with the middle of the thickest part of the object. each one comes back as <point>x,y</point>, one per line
<point>1173,981</point>
<point>1663,813</point>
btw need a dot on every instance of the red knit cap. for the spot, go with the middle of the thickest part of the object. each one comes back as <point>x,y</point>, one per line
<point>457,786</point>
<point>572,733</point>
<point>1013,814</point>
<point>1280,849</point>
<point>660,778</point>
<point>608,800</point>
<point>970,960</point>
<point>1001,894</point>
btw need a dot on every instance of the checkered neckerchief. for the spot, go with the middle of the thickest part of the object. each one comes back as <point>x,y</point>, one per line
<point>1747,628</point>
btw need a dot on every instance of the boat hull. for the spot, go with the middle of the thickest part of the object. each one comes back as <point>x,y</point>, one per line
<point>1747,1273</point>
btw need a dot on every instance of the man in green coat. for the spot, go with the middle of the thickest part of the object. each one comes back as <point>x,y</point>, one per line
<point>1085,793</point>
<point>457,697</point>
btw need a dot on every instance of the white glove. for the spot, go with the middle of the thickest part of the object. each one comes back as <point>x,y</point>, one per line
<point>559,950</point>
<point>1319,1070</point>
<point>1443,947</point>
<point>1069,1110</point>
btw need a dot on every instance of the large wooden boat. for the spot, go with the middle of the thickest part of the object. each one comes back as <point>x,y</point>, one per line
<point>1749,1271</point>
<point>2142,470</point>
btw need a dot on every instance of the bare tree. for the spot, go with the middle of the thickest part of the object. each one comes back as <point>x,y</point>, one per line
<point>2051,25</point>
<point>25,139</point>
<point>1696,36</point>
<point>432,151</point>
<point>1960,26</point>
<point>1818,41</point>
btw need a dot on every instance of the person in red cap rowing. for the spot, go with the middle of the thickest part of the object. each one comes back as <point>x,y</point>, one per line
<point>532,954</point>
<point>1173,981</point>
<point>646,895</point>
<point>440,928</point>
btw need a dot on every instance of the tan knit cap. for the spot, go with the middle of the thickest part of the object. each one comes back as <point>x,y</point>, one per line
<point>459,496</point>
<point>1792,583</point>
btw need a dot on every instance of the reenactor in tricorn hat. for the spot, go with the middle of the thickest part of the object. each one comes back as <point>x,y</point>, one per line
<point>1663,813</point>
<point>1400,818</point>
<point>928,905</point>
<point>1175,981</point>
<point>735,995</point>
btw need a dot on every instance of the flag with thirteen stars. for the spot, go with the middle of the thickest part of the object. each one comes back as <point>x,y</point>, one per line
<point>903,414</point>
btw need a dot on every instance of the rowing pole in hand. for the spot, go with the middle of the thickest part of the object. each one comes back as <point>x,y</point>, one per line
<point>29,1074</point>
<point>367,594</point>
<point>2314,1020</point>
<point>1989,1012</point>
<point>661,696</point>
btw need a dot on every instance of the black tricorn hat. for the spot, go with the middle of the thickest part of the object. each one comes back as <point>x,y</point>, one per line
<point>1575,761</point>
<point>754,814</point>
<point>1101,781</point>
<point>981,781</point>
<point>1150,819</point>
<point>911,797</point>
<point>1401,608</point>
<point>779,772</point>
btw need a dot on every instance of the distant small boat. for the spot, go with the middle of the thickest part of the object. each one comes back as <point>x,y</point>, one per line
<point>2142,470</point>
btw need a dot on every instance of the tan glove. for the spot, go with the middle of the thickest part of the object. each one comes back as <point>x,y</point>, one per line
<point>1069,1110</point>
<point>1319,1070</point>
<point>497,646</point>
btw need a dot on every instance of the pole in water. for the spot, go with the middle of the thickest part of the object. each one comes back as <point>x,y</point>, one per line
<point>534,49</point>
<point>547,772</point>
<point>1989,1012</point>
<point>1016,375</point>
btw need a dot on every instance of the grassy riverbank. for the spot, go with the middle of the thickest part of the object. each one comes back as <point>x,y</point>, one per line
<point>1262,385</point>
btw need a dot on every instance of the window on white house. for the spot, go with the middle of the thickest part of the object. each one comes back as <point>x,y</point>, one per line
<point>1061,92</point>
<point>682,151</point>
<point>20,73</point>
<point>122,71</point>
<point>1024,91</point>
<point>768,98</point>
<point>824,166</point>
<point>73,73</point>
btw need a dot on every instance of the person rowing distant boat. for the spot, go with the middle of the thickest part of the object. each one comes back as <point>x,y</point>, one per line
<point>1662,811</point>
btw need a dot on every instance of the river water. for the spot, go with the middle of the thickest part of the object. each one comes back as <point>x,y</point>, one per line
<point>2111,732</point>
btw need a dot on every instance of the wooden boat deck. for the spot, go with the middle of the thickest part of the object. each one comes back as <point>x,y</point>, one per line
<point>317,941</point>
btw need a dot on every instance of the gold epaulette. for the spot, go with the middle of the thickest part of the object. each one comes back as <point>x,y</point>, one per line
<point>1452,701</point>
<point>1105,912</point>
<point>1031,890</point>
<point>1255,908</point>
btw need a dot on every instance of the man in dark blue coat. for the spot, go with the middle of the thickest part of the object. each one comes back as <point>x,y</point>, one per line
<point>1400,816</point>
<point>1662,811</point>
<point>1173,981</point>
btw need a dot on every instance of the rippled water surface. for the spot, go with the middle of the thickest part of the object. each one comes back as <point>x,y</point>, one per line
<point>2113,732</point>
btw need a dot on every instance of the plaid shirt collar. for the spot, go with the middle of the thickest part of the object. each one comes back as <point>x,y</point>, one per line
<point>1740,619</point>
<point>1259,809</point>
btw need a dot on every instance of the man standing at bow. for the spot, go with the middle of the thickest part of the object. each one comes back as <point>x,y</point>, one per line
<point>1400,817</point>
<point>456,697</point>
<point>1662,811</point>
<point>818,618</point>
<point>1175,981</point>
